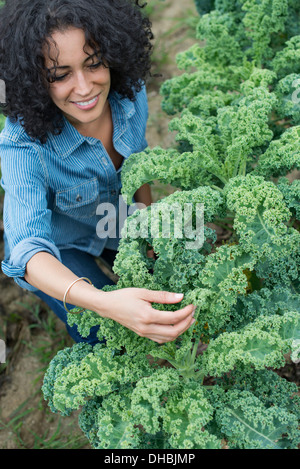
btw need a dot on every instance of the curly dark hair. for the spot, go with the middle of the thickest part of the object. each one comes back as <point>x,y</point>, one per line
<point>118,27</point>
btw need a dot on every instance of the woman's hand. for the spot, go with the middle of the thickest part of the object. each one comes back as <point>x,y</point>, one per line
<point>132,307</point>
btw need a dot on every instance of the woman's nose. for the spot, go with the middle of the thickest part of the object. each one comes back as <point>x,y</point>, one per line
<point>82,85</point>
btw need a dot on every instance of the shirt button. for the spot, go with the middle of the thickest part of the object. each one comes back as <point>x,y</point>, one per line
<point>113,192</point>
<point>78,198</point>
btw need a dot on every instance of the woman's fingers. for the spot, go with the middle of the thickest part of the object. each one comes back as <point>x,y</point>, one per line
<point>170,317</point>
<point>163,297</point>
<point>132,307</point>
<point>164,326</point>
<point>167,333</point>
<point>155,316</point>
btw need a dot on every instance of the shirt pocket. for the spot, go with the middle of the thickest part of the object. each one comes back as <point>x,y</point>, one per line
<point>79,201</point>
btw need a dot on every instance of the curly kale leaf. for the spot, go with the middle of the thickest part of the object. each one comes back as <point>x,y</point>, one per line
<point>87,420</point>
<point>266,385</point>
<point>158,406</point>
<point>204,6</point>
<point>263,302</point>
<point>260,78</point>
<point>114,427</point>
<point>261,344</point>
<point>182,170</point>
<point>256,428</point>
<point>292,25</point>
<point>199,134</point>
<point>133,252</point>
<point>283,272</point>
<point>257,29</point>
<point>149,395</point>
<point>282,155</point>
<point>287,60</point>
<point>186,415</point>
<point>170,226</point>
<point>224,276</point>
<point>245,128</point>
<point>2,121</point>
<point>118,338</point>
<point>219,146</point>
<point>288,94</point>
<point>261,216</point>
<point>223,45</point>
<point>62,360</point>
<point>291,194</point>
<point>248,424</point>
<point>98,373</point>
<point>163,403</point>
<point>179,92</point>
<point>148,166</point>
<point>206,105</point>
<point>262,21</point>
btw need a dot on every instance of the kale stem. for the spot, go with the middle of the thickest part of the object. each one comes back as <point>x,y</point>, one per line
<point>242,170</point>
<point>291,222</point>
<point>217,188</point>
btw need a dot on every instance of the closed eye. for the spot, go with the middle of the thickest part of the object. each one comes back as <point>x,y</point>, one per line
<point>58,78</point>
<point>53,78</point>
<point>96,65</point>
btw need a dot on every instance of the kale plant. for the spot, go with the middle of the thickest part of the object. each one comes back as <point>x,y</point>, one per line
<point>237,122</point>
<point>2,121</point>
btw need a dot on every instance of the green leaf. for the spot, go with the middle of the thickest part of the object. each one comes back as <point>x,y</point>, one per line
<point>260,344</point>
<point>97,374</point>
<point>63,359</point>
<point>115,427</point>
<point>248,424</point>
<point>282,155</point>
<point>186,415</point>
<point>2,121</point>
<point>261,215</point>
<point>225,276</point>
<point>149,395</point>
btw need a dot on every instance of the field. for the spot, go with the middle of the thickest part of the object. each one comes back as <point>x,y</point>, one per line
<point>31,333</point>
<point>238,133</point>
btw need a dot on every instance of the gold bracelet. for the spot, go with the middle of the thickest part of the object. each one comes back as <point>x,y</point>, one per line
<point>67,290</point>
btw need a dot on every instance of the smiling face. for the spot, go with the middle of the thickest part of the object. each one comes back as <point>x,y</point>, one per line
<point>81,83</point>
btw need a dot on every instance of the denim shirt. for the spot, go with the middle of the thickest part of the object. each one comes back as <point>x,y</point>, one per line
<point>52,190</point>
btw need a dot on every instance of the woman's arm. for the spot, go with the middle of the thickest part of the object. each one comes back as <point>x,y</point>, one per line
<point>130,307</point>
<point>143,195</point>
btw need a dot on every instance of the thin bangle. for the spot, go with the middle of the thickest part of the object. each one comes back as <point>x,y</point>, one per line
<point>67,290</point>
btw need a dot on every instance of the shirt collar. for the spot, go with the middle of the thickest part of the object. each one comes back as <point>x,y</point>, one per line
<point>126,104</point>
<point>70,139</point>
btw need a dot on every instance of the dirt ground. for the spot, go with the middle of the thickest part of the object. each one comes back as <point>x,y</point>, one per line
<point>31,332</point>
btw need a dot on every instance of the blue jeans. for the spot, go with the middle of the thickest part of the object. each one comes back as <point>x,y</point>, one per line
<point>83,265</point>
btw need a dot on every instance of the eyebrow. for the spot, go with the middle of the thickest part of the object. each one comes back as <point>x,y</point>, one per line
<point>68,66</point>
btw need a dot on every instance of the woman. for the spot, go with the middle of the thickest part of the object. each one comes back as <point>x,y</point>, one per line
<point>76,107</point>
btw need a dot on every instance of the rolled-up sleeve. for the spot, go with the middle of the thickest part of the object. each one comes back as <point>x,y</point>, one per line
<point>143,113</point>
<point>15,266</point>
<point>26,216</point>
